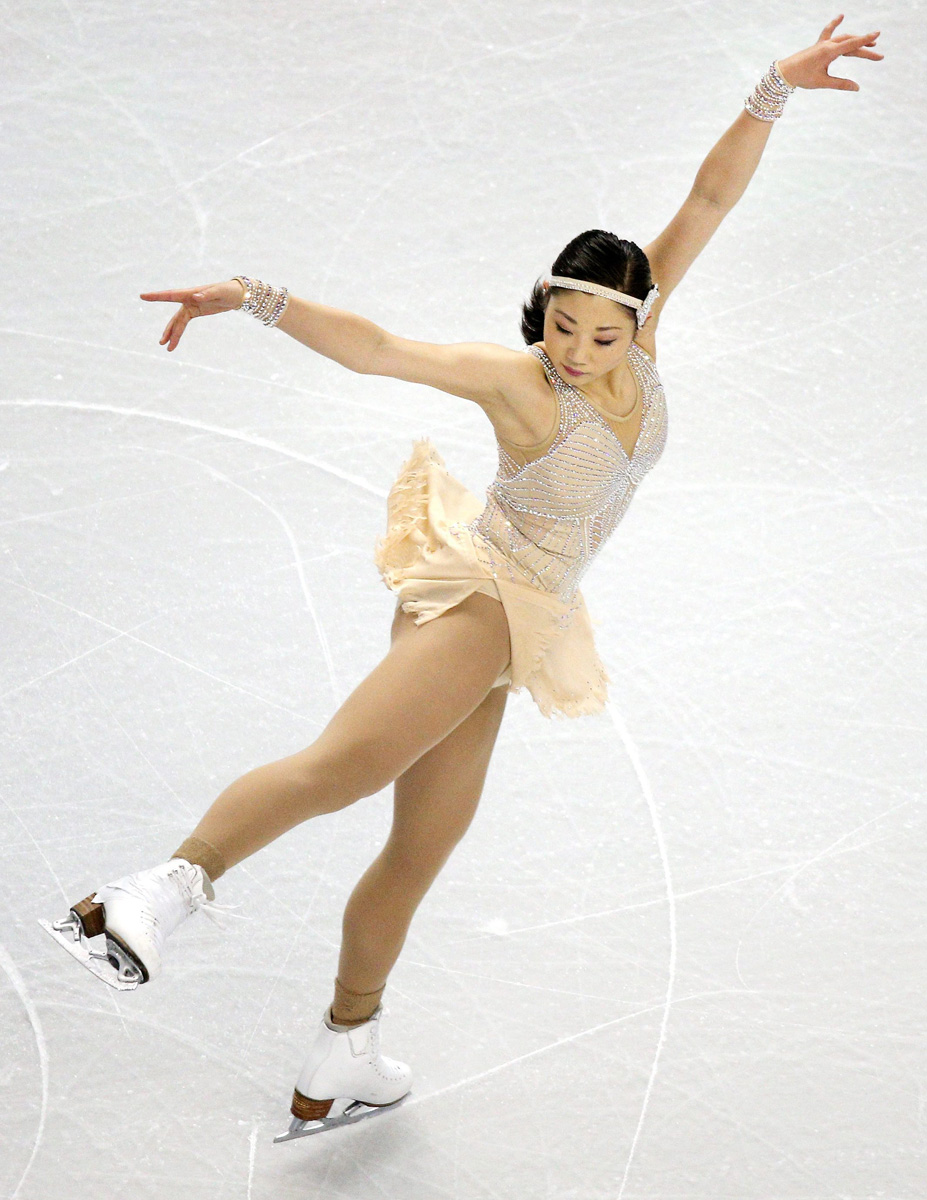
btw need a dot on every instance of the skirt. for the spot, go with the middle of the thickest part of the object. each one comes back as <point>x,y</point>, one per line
<point>427,558</point>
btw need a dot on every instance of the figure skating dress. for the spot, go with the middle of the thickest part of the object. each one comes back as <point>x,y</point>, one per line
<point>544,521</point>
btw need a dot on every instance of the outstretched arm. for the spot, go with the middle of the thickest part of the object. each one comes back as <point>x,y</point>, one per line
<point>478,371</point>
<point>725,173</point>
<point>729,166</point>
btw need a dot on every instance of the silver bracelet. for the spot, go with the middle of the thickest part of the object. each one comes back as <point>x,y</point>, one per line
<point>263,301</point>
<point>767,100</point>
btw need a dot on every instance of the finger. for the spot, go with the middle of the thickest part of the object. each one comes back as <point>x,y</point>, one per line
<point>178,324</point>
<point>863,54</point>
<point>178,296</point>
<point>848,43</point>
<point>846,85</point>
<point>830,27</point>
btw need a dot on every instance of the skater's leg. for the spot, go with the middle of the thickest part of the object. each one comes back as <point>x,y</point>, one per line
<point>434,802</point>
<point>434,676</point>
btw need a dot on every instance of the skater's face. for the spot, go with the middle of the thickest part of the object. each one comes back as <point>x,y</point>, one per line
<point>586,336</point>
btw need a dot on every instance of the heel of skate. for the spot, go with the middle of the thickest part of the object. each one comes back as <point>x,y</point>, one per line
<point>309,1110</point>
<point>90,916</point>
<point>336,1112</point>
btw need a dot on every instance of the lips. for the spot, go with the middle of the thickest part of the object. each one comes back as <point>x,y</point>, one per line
<point>570,371</point>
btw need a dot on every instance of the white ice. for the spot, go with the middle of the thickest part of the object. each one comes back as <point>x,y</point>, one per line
<point>680,952</point>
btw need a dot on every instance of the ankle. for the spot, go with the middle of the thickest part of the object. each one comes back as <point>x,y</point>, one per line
<point>350,1008</point>
<point>202,854</point>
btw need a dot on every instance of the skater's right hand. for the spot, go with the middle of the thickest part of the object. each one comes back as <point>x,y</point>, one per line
<point>196,302</point>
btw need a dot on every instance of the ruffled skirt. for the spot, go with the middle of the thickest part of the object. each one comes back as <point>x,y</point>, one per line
<point>427,558</point>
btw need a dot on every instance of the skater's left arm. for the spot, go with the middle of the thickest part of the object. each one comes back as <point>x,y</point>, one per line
<point>729,166</point>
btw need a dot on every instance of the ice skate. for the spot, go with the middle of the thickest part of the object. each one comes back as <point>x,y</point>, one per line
<point>345,1079</point>
<point>118,933</point>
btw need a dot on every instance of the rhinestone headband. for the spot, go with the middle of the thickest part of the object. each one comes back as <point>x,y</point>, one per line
<point>643,307</point>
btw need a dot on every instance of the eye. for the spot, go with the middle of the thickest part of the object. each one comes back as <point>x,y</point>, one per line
<point>598,341</point>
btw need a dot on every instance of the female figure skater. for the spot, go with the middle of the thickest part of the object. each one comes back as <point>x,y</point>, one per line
<point>579,419</point>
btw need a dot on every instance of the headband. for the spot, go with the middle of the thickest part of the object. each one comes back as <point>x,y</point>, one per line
<point>643,307</point>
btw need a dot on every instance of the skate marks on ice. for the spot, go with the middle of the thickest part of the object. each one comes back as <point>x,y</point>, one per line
<point>19,987</point>
<point>225,431</point>
<point>647,792</point>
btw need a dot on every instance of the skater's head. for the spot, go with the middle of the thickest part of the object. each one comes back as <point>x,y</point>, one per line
<point>591,333</point>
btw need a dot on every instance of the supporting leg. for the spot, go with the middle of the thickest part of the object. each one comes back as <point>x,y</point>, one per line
<point>434,802</point>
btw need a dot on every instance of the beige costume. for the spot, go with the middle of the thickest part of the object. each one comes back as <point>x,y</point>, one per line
<point>544,520</point>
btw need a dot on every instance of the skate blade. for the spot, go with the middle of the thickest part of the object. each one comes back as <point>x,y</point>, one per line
<point>355,1112</point>
<point>114,968</point>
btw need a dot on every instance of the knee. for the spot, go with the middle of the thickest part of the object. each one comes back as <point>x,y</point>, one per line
<point>334,780</point>
<point>417,863</point>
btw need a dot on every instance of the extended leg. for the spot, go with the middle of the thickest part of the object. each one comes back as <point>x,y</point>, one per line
<point>432,679</point>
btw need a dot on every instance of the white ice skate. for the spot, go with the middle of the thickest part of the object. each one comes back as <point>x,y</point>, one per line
<point>344,1079</point>
<point>129,920</point>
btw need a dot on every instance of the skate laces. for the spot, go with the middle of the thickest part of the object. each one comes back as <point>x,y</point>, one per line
<point>169,895</point>
<point>219,913</point>
<point>200,902</point>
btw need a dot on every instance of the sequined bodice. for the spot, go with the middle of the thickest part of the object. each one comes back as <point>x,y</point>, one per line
<point>548,519</point>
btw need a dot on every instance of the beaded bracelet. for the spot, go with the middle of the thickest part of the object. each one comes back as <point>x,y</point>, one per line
<point>263,301</point>
<point>767,100</point>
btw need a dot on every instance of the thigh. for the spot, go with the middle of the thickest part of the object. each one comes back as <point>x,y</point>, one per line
<point>435,799</point>
<point>432,679</point>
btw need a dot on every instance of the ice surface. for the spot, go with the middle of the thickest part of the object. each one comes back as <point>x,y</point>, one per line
<point>680,952</point>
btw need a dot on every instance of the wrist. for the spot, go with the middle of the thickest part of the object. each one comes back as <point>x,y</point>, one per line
<point>767,100</point>
<point>784,66</point>
<point>263,301</point>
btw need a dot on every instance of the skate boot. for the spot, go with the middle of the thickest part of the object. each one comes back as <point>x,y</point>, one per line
<point>129,920</point>
<point>344,1079</point>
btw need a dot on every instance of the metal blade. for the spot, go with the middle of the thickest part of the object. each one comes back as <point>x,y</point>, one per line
<point>353,1113</point>
<point>97,964</point>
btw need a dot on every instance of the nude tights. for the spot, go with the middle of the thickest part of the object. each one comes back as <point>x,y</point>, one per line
<point>426,718</point>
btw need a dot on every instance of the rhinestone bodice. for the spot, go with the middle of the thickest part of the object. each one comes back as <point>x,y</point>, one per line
<point>547,520</point>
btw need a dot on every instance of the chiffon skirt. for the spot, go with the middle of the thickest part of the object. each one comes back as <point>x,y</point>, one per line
<point>427,558</point>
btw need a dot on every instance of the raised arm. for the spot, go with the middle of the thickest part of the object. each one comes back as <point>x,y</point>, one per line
<point>479,371</point>
<point>729,166</point>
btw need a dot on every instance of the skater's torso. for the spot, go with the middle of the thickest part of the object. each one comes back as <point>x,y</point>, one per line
<point>555,502</point>
<point>527,424</point>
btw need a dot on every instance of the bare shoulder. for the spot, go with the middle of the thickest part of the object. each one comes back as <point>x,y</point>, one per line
<point>647,340</point>
<point>484,372</point>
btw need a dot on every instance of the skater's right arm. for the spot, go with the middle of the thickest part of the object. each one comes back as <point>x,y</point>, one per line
<point>480,371</point>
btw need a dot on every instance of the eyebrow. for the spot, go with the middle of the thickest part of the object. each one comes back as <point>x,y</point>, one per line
<point>573,321</point>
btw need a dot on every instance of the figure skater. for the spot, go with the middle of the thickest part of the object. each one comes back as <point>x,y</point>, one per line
<point>579,420</point>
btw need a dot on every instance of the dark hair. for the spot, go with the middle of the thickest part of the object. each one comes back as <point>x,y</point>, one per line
<point>598,257</point>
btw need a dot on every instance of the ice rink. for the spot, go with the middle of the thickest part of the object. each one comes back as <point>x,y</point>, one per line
<point>680,954</point>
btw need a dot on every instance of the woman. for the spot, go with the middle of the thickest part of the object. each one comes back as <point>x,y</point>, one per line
<point>578,420</point>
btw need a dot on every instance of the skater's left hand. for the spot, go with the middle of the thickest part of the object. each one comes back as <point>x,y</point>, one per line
<point>808,68</point>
